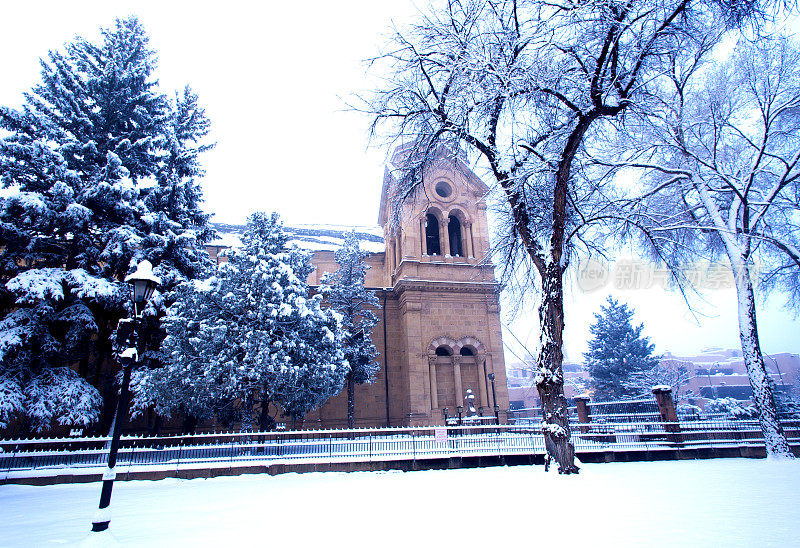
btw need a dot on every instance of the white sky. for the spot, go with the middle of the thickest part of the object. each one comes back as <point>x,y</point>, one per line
<point>273,77</point>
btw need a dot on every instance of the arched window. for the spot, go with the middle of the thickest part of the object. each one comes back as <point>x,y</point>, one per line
<point>466,351</point>
<point>443,351</point>
<point>432,235</point>
<point>454,232</point>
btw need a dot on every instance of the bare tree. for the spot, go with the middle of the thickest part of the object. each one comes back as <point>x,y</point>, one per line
<point>664,373</point>
<point>722,156</point>
<point>528,88</point>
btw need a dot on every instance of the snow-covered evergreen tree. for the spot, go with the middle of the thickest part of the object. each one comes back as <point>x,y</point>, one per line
<point>250,333</point>
<point>104,169</point>
<point>345,292</point>
<point>733,409</point>
<point>617,352</point>
<point>786,401</point>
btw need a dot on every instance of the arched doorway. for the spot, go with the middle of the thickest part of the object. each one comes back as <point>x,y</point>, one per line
<point>454,367</point>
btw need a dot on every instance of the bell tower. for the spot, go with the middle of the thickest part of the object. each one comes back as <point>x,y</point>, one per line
<point>444,223</point>
<point>444,292</point>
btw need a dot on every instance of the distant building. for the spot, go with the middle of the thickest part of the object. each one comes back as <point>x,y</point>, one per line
<point>711,374</point>
<point>439,333</point>
<point>721,373</point>
<point>522,393</point>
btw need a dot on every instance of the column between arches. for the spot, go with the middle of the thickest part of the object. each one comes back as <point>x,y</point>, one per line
<point>434,387</point>
<point>444,237</point>
<point>457,379</point>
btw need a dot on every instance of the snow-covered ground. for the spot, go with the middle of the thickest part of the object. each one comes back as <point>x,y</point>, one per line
<point>725,502</point>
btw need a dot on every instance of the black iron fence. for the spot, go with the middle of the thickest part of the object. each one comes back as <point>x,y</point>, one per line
<point>641,410</point>
<point>74,456</point>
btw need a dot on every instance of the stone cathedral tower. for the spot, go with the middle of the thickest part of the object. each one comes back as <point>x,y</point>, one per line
<point>440,326</point>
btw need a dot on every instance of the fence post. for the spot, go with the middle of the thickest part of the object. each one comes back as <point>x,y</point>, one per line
<point>10,463</point>
<point>180,451</point>
<point>130,461</point>
<point>666,408</point>
<point>584,413</point>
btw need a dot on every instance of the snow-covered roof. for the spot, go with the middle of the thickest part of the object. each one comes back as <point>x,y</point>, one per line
<point>311,237</point>
<point>228,239</point>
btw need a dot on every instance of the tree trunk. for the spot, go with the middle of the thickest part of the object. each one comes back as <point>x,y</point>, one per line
<point>156,429</point>
<point>550,378</point>
<point>247,413</point>
<point>24,427</point>
<point>83,367</point>
<point>265,421</point>
<point>189,424</point>
<point>351,404</point>
<point>774,438</point>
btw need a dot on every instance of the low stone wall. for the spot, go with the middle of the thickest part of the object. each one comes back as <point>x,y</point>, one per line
<point>409,465</point>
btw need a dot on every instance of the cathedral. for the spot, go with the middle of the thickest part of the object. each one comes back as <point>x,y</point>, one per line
<point>439,333</point>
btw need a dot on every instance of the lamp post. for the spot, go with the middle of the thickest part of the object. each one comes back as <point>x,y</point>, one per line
<point>778,367</point>
<point>444,412</point>
<point>143,283</point>
<point>460,409</point>
<point>710,386</point>
<point>494,400</point>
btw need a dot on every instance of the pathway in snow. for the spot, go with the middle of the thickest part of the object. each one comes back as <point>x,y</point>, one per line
<point>725,502</point>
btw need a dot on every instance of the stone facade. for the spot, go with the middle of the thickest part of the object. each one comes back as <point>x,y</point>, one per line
<point>439,333</point>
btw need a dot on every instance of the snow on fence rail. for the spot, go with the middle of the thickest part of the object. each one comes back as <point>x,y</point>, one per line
<point>243,448</point>
<point>36,457</point>
<point>639,410</point>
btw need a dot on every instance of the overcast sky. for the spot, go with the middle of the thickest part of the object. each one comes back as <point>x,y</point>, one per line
<point>274,77</point>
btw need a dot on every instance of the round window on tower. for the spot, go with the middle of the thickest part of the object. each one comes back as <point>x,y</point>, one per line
<point>443,189</point>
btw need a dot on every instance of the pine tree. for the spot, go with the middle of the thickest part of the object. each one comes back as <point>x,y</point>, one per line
<point>617,352</point>
<point>732,408</point>
<point>104,167</point>
<point>250,333</point>
<point>345,292</point>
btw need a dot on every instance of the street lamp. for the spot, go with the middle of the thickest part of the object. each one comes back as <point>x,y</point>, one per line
<point>778,367</point>
<point>143,283</point>
<point>460,408</point>
<point>444,412</point>
<point>494,400</point>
